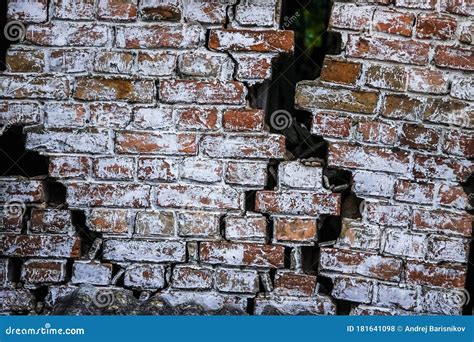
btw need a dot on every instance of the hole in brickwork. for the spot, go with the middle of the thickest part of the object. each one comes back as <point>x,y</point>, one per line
<point>330,228</point>
<point>4,42</point>
<point>250,305</point>
<point>326,285</point>
<point>309,259</point>
<point>250,197</point>
<point>87,236</point>
<point>15,160</point>
<point>287,262</point>
<point>272,171</point>
<point>40,294</point>
<point>14,269</point>
<point>56,193</point>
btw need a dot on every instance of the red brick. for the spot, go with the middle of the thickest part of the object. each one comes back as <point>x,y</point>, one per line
<point>201,92</point>
<point>289,283</point>
<point>113,62</point>
<point>356,234</point>
<point>192,277</point>
<point>40,246</point>
<point>459,143</point>
<point>157,169</point>
<point>153,118</point>
<point>70,61</point>
<point>463,88</point>
<point>114,89</point>
<point>239,281</point>
<point>55,221</point>
<point>298,203</point>
<point>36,87</point>
<point>372,184</point>
<point>252,41</point>
<point>442,221</point>
<point>206,12</point>
<point>429,167</point>
<point>113,168</point>
<point>254,67</point>
<point>388,77</point>
<point>115,115</point>
<point>402,51</point>
<point>66,33</point>
<point>420,137</point>
<point>145,276</point>
<point>37,271</point>
<point>368,158</point>
<point>466,33</point>
<point>421,4</point>
<point>198,224</point>
<point>65,115</point>
<point>447,249</point>
<point>67,9</point>
<point>197,119</point>
<point>32,11</point>
<point>377,132</point>
<point>157,36</point>
<point>388,215</point>
<point>144,251</point>
<point>300,175</point>
<point>242,254</point>
<point>462,7</point>
<point>246,228</point>
<point>420,193</point>
<point>196,196</point>
<point>435,275</point>
<point>206,64</point>
<point>431,26</point>
<point>246,173</point>
<point>403,243</point>
<point>117,9</point>
<point>295,229</point>
<point>331,125</point>
<point>154,224</point>
<point>22,191</point>
<point>19,112</point>
<point>165,10</point>
<point>244,146</point>
<point>454,58</point>
<point>453,196</point>
<point>202,170</point>
<point>394,22</point>
<point>68,142</point>
<point>109,221</point>
<point>156,63</point>
<point>69,167</point>
<point>108,194</point>
<point>404,107</point>
<point>350,16</point>
<point>243,120</point>
<point>25,61</point>
<point>155,143</point>
<point>339,71</point>
<point>428,81</point>
<point>365,264</point>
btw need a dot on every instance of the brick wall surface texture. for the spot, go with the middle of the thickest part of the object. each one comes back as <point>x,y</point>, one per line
<point>144,111</point>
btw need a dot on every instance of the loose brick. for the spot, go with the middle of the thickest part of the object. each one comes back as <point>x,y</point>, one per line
<point>108,195</point>
<point>356,234</point>
<point>369,158</point>
<point>113,168</point>
<point>252,41</point>
<point>311,95</point>
<point>365,264</point>
<point>412,192</point>
<point>294,284</point>
<point>252,228</point>
<point>114,89</point>
<point>143,251</point>
<point>244,146</point>
<point>394,22</point>
<point>246,174</point>
<point>192,277</point>
<point>196,196</point>
<point>157,36</point>
<point>40,246</point>
<point>66,33</point>
<point>198,224</point>
<point>155,143</point>
<point>55,221</point>
<point>298,203</point>
<point>435,275</point>
<point>201,92</point>
<point>153,224</point>
<point>245,120</point>
<point>454,58</point>
<point>254,67</point>
<point>157,169</point>
<point>242,254</point>
<point>22,191</point>
<point>295,229</point>
<point>299,175</point>
<point>401,51</point>
<point>145,276</point>
<point>107,221</point>
<point>338,71</point>
<point>91,272</point>
<point>240,281</point>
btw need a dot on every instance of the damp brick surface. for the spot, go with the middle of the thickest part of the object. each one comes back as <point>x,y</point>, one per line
<point>178,197</point>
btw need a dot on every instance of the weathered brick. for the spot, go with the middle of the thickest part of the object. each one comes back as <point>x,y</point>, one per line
<point>246,173</point>
<point>367,183</point>
<point>153,224</point>
<point>66,33</point>
<point>202,92</point>
<point>156,63</point>
<point>201,170</point>
<point>16,300</point>
<point>420,137</point>
<point>356,234</point>
<point>463,88</point>
<point>252,41</point>
<point>459,144</point>
<point>108,195</point>
<point>25,61</point>
<point>19,112</point>
<point>388,77</point>
<point>401,51</point>
<point>240,281</point>
<point>40,246</point>
<point>352,289</point>
<point>242,254</point>
<point>400,23</point>
<point>309,94</point>
<point>192,277</point>
<point>197,119</point>
<point>117,10</point>
<point>339,71</point>
<point>254,67</point>
<point>453,196</point>
<point>412,192</point>
<point>442,221</point>
<point>143,251</point>
<point>317,305</point>
<point>113,168</point>
<point>461,7</point>
<point>429,26</point>
<point>91,272</point>
<point>403,297</point>
<point>114,89</point>
<point>58,115</point>
<point>158,36</point>
<point>385,133</point>
<point>28,11</point>
<point>289,283</point>
<point>196,196</point>
<point>298,203</point>
<point>109,221</point>
<point>113,62</point>
<point>300,175</point>
<point>351,16</point>
<point>295,229</point>
<point>145,276</point>
<point>66,9</point>
<point>36,87</point>
<point>70,61</point>
<point>164,10</point>
<point>331,125</point>
<point>255,12</point>
<point>421,4</point>
<point>365,264</point>
<point>245,120</point>
<point>69,167</point>
<point>157,169</point>
<point>454,58</point>
<point>22,191</point>
<point>55,221</point>
<point>429,167</point>
<point>435,275</point>
<point>428,81</point>
<point>131,142</point>
<point>205,64</point>
<point>250,227</point>
<point>404,243</point>
<point>43,271</point>
<point>404,107</point>
<point>244,146</point>
<point>449,249</point>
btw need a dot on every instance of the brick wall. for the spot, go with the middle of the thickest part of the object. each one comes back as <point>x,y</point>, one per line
<point>144,110</point>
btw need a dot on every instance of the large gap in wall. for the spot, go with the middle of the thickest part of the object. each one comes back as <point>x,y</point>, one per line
<point>4,42</point>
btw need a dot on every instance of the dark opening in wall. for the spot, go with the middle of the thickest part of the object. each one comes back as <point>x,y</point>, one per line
<point>4,42</point>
